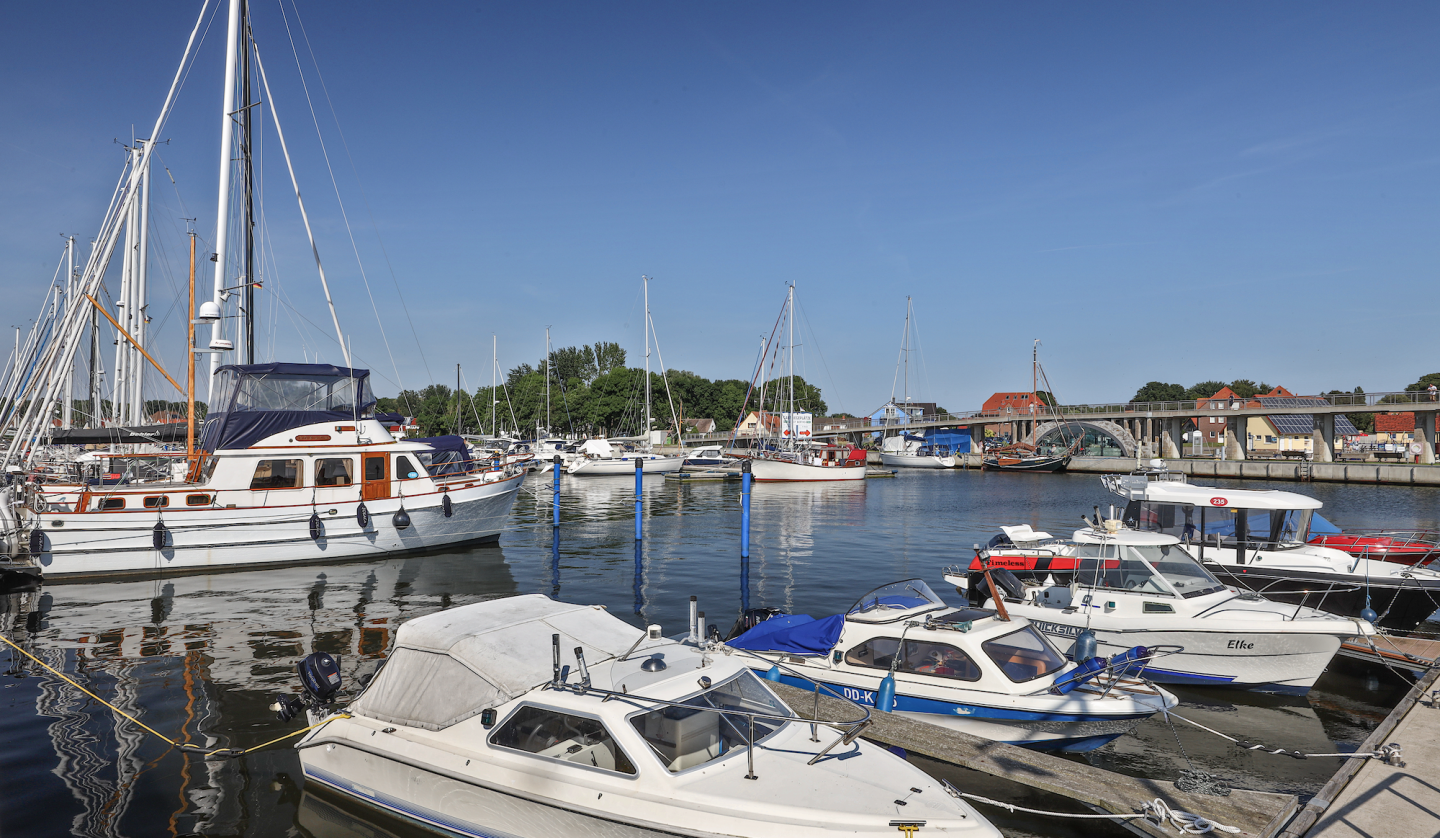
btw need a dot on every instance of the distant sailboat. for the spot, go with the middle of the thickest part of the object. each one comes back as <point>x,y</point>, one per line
<point>905,450</point>
<point>1024,456</point>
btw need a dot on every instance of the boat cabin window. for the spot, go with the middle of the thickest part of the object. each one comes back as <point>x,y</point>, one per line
<point>707,727</point>
<point>894,600</point>
<point>374,468</point>
<point>1223,527</point>
<point>157,501</point>
<point>550,733</point>
<point>108,504</point>
<point>1182,572</point>
<point>1101,566</point>
<point>939,659</point>
<point>404,469</point>
<point>277,474</point>
<point>877,651</point>
<point>335,472</point>
<point>197,500</point>
<point>1023,655</point>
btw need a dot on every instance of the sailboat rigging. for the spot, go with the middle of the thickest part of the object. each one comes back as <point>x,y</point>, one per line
<point>1027,456</point>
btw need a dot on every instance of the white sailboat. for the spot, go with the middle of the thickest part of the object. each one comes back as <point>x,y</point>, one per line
<point>598,457</point>
<point>292,467</point>
<point>905,450</point>
<point>794,462</point>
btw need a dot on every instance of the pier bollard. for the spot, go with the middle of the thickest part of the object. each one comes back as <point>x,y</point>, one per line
<point>555,503</point>
<point>639,489</point>
<point>745,509</point>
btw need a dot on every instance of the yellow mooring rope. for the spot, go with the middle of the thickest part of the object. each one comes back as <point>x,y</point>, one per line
<point>194,749</point>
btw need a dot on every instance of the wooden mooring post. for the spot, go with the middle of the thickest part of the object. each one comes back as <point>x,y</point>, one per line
<point>1255,813</point>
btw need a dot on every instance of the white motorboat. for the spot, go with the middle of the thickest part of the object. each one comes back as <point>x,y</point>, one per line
<point>709,457</point>
<point>1260,539</point>
<point>968,669</point>
<point>599,458</point>
<point>475,726</point>
<point>910,451</point>
<point>297,471</point>
<point>1131,588</point>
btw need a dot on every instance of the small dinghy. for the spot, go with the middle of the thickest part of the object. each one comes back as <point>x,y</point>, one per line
<point>525,717</point>
<point>983,672</point>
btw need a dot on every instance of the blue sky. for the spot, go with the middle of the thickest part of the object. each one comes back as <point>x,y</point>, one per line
<point>1156,191</point>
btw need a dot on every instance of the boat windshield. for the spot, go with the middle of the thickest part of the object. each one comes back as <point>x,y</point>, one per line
<point>1183,573</point>
<point>1100,566</point>
<point>1275,528</point>
<point>1024,655</point>
<point>712,724</point>
<point>891,601</point>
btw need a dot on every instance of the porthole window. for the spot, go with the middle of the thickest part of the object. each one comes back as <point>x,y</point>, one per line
<point>157,501</point>
<point>197,500</point>
<point>108,504</point>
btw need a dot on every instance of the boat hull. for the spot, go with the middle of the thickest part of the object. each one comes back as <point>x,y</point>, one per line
<point>1037,464</point>
<point>777,471</point>
<point>917,461</point>
<point>1287,663</point>
<point>625,465</point>
<point>1049,731</point>
<point>91,544</point>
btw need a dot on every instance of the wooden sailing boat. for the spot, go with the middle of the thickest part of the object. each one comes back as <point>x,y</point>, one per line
<point>1024,456</point>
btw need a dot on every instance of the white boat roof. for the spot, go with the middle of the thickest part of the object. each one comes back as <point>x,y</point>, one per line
<point>1124,535</point>
<point>452,664</point>
<point>1189,493</point>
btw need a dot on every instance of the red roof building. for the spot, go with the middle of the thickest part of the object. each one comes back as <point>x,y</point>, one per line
<point>1014,403</point>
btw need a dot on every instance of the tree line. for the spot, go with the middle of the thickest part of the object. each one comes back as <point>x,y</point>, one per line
<point>592,393</point>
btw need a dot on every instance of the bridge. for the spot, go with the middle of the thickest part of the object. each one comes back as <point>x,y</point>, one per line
<point>1157,426</point>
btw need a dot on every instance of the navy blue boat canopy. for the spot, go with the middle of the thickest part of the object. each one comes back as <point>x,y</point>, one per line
<point>798,634</point>
<point>451,455</point>
<point>254,401</point>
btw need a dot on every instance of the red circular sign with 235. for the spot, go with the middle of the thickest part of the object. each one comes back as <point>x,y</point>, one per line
<point>1218,501</point>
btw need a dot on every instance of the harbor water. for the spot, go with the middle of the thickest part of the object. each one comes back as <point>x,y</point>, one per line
<point>200,657</point>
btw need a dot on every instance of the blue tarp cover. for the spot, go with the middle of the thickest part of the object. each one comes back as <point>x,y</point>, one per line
<point>244,428</point>
<point>452,455</point>
<point>799,634</point>
<point>279,368</point>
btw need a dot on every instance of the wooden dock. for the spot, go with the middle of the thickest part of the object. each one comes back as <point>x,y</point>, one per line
<point>1372,799</point>
<point>1254,813</point>
<point>1414,653</point>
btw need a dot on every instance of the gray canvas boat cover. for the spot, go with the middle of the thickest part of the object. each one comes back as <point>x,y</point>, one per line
<point>450,665</point>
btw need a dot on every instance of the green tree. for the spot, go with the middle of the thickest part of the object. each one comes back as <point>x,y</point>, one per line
<point>1204,389</point>
<point>608,357</point>
<point>573,362</point>
<point>1158,391</point>
<point>1244,388</point>
<point>1424,383</point>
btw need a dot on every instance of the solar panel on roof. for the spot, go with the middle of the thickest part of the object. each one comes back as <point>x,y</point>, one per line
<point>1297,401</point>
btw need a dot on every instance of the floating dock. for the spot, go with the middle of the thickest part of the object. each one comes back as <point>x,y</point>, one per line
<point>1254,813</point>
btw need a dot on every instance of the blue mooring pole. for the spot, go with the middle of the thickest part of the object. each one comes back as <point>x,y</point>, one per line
<point>555,503</point>
<point>639,488</point>
<point>744,509</point>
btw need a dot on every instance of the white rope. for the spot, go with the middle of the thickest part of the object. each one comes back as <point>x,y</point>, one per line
<point>1389,754</point>
<point>1156,811</point>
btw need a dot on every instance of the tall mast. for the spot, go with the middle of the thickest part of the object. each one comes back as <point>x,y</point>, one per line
<point>457,398</point>
<point>547,380</point>
<point>1035,369</point>
<point>120,396</point>
<point>222,204</point>
<point>94,367</point>
<point>190,368</point>
<point>645,280</point>
<point>494,366</point>
<point>247,173</point>
<point>139,284</point>
<point>67,409</point>
<point>792,362</point>
<point>909,307</point>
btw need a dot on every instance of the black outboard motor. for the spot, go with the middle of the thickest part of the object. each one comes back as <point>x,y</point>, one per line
<point>978,590</point>
<point>320,678</point>
<point>752,618</point>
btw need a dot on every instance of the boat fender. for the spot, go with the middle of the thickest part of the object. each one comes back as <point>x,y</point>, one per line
<point>1368,615</point>
<point>37,542</point>
<point>1131,661</point>
<point>362,516</point>
<point>1084,671</point>
<point>446,506</point>
<point>401,519</point>
<point>773,673</point>
<point>317,529</point>
<point>1085,646</point>
<point>158,535</point>
<point>885,698</point>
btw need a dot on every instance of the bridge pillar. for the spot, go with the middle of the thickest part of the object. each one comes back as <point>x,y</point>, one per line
<point>1425,434</point>
<point>1235,441</point>
<point>1322,439</point>
<point>1170,439</point>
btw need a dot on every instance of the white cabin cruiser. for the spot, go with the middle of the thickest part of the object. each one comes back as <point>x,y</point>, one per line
<point>1133,588</point>
<point>709,457</point>
<point>474,727</point>
<point>909,451</point>
<point>1260,539</point>
<point>968,669</point>
<point>293,469</point>
<point>601,458</point>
